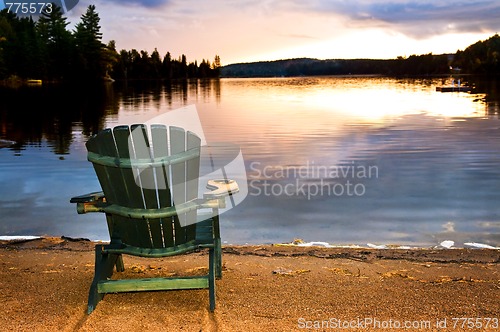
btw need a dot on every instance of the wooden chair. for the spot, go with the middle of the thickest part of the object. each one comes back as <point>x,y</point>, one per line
<point>149,181</point>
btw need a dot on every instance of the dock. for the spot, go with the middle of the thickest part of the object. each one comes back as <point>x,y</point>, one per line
<point>453,88</point>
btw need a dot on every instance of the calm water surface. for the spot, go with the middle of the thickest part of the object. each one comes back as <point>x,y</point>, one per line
<point>340,160</point>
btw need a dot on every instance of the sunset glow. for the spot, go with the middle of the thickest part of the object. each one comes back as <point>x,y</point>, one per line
<point>251,30</point>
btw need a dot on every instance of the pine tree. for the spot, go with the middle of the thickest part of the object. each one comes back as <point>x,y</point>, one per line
<point>216,67</point>
<point>166,66</point>
<point>111,57</point>
<point>56,44</point>
<point>155,64</point>
<point>90,49</point>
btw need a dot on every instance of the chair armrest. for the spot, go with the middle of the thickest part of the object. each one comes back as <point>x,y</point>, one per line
<point>165,212</point>
<point>88,198</point>
<point>92,202</point>
<point>221,188</point>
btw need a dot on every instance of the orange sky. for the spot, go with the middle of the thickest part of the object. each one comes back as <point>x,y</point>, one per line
<point>251,30</point>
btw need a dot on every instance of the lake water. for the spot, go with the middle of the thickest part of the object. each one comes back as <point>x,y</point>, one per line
<point>344,160</point>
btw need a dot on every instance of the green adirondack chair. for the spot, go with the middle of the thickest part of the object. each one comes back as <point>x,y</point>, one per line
<point>149,181</point>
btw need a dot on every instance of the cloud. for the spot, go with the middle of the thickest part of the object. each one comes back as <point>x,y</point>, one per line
<point>142,3</point>
<point>250,30</point>
<point>299,36</point>
<point>417,18</point>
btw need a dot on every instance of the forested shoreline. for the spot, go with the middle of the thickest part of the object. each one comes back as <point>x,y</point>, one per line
<point>481,58</point>
<point>47,50</point>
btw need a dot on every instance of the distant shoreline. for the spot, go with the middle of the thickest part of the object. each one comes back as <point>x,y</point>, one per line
<point>428,64</point>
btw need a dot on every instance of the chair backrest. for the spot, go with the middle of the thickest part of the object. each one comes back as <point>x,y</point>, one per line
<point>148,168</point>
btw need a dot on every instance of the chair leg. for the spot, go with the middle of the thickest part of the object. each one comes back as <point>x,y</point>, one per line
<point>119,264</point>
<point>211,277</point>
<point>218,259</point>
<point>104,265</point>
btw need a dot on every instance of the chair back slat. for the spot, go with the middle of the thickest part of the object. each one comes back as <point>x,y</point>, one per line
<point>156,186</point>
<point>112,183</point>
<point>105,145</point>
<point>144,177</point>
<point>178,179</point>
<point>139,143</point>
<point>132,197</point>
<point>192,180</point>
<point>160,140</point>
<point>136,230</point>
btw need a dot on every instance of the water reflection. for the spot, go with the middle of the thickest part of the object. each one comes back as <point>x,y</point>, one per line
<point>437,155</point>
<point>491,90</point>
<point>30,115</point>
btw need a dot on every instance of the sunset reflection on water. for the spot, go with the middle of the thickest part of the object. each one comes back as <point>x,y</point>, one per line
<point>437,156</point>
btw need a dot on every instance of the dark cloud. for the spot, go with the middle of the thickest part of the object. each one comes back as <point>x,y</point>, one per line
<point>421,12</point>
<point>419,17</point>
<point>143,3</point>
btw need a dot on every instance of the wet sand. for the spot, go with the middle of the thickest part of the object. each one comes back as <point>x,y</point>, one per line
<point>44,285</point>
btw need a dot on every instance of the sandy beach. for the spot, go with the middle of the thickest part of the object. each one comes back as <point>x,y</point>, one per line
<point>44,285</point>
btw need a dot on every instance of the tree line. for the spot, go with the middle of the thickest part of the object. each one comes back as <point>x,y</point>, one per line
<point>46,49</point>
<point>482,57</point>
<point>417,65</point>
